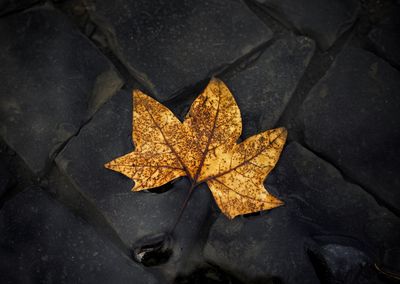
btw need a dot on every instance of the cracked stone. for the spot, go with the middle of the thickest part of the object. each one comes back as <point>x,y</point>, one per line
<point>180,43</point>
<point>386,37</point>
<point>351,118</point>
<point>50,86</point>
<point>321,209</point>
<point>43,242</point>
<point>263,89</point>
<point>323,20</point>
<point>133,215</point>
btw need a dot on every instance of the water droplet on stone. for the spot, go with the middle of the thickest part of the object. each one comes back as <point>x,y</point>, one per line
<point>153,250</point>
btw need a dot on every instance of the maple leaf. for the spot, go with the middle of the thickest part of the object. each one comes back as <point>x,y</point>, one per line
<point>203,148</point>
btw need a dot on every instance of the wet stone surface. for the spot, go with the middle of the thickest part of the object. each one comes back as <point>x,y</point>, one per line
<point>326,70</point>
<point>321,211</point>
<point>351,118</point>
<point>51,86</point>
<point>136,216</point>
<point>181,42</point>
<point>263,88</point>
<point>42,242</point>
<point>323,20</point>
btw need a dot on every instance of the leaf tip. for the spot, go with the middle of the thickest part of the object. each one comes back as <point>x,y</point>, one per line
<point>274,203</point>
<point>215,80</point>
<point>279,135</point>
<point>136,93</point>
<point>283,132</point>
<point>219,84</point>
<point>136,187</point>
<point>230,216</point>
<point>112,165</point>
<point>279,203</point>
<point>139,95</point>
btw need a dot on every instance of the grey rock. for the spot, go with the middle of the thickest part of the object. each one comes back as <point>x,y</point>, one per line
<point>317,194</point>
<point>7,6</point>
<point>133,215</point>
<point>321,209</point>
<point>263,88</point>
<point>336,263</point>
<point>256,250</point>
<point>53,80</point>
<point>341,259</point>
<point>171,45</point>
<point>386,37</point>
<point>351,117</point>
<point>322,20</point>
<point>42,242</point>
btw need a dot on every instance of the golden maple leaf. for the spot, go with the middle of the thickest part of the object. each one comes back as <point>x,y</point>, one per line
<point>203,148</point>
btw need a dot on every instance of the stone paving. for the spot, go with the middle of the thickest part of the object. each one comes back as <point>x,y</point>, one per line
<point>326,70</point>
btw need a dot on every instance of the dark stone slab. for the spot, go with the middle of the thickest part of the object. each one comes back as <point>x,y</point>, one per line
<point>7,6</point>
<point>386,37</point>
<point>42,242</point>
<point>53,80</point>
<point>6,179</point>
<point>133,215</point>
<point>335,263</point>
<point>390,261</point>
<point>257,250</point>
<point>321,211</point>
<point>351,117</point>
<point>171,45</point>
<point>317,194</point>
<point>322,20</point>
<point>263,87</point>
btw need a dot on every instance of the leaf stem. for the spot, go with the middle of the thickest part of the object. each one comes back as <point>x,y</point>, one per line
<point>184,205</point>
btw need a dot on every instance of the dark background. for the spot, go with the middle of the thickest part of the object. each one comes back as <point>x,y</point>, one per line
<point>327,70</point>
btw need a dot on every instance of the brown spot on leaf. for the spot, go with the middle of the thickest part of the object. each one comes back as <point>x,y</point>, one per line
<point>203,148</point>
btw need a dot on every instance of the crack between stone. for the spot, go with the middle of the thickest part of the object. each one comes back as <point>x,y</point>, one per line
<point>63,145</point>
<point>350,180</point>
<point>294,106</point>
<point>263,14</point>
